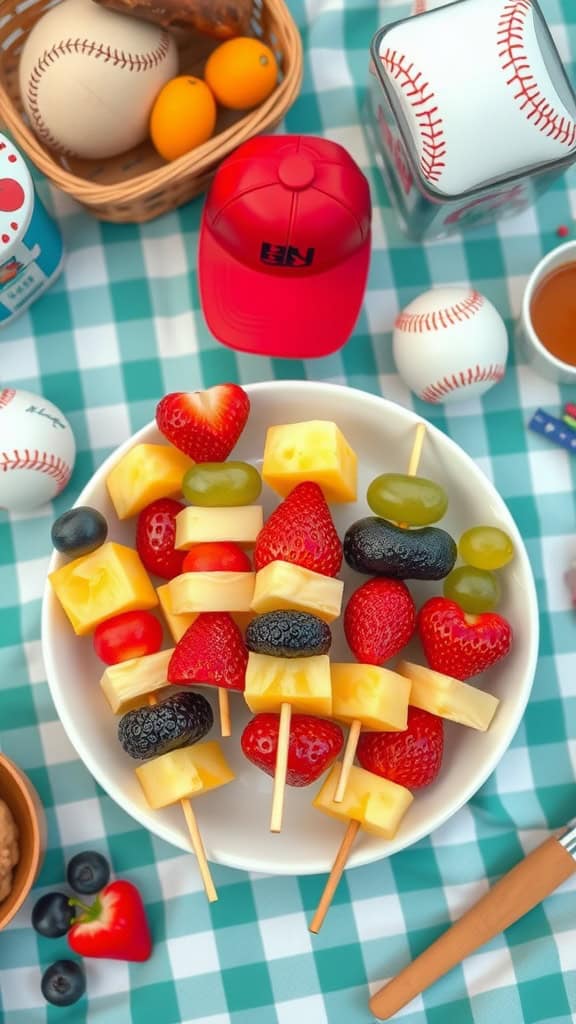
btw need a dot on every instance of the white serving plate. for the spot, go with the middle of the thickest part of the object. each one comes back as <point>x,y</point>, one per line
<point>234,819</point>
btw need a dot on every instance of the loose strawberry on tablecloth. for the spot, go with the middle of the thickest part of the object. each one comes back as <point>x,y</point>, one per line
<point>314,745</point>
<point>205,425</point>
<point>411,758</point>
<point>155,536</point>
<point>379,620</point>
<point>458,644</point>
<point>212,651</point>
<point>301,531</point>
<point>114,926</point>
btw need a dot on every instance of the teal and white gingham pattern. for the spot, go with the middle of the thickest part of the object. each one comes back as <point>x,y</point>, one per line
<point>120,328</point>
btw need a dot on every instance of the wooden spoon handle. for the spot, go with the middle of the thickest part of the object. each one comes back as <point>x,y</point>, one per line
<point>523,888</point>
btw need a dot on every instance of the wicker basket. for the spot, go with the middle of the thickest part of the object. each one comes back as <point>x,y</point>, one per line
<point>138,186</point>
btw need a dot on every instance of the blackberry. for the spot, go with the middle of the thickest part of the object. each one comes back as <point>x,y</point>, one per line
<point>288,634</point>
<point>175,722</point>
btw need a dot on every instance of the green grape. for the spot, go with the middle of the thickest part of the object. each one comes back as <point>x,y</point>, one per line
<point>486,547</point>
<point>220,484</point>
<point>407,499</point>
<point>475,590</point>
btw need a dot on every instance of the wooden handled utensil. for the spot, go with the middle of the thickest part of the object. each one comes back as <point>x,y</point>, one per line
<point>522,889</point>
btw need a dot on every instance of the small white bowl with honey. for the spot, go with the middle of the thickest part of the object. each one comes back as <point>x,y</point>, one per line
<point>547,326</point>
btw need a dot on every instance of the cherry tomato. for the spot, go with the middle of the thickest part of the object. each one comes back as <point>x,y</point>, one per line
<point>216,556</point>
<point>129,635</point>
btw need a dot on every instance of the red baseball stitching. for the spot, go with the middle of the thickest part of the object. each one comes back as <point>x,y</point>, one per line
<point>512,50</point>
<point>420,7</point>
<point>423,102</point>
<point>131,61</point>
<point>473,375</point>
<point>42,462</point>
<point>437,318</point>
<point>6,396</point>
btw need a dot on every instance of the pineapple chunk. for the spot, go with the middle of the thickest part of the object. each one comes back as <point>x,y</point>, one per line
<point>178,624</point>
<point>317,451</point>
<point>104,583</point>
<point>212,592</point>
<point>376,697</point>
<point>449,698</point>
<point>126,684</point>
<point>183,773</point>
<point>302,682</point>
<point>146,472</point>
<point>378,804</point>
<point>195,525</point>
<point>283,585</point>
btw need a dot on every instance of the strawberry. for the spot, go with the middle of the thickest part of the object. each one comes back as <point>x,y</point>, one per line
<point>205,425</point>
<point>301,531</point>
<point>212,651</point>
<point>114,926</point>
<point>411,758</point>
<point>379,620</point>
<point>155,535</point>
<point>458,644</point>
<point>313,746</point>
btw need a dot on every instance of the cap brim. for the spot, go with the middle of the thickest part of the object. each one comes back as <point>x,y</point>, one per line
<point>300,318</point>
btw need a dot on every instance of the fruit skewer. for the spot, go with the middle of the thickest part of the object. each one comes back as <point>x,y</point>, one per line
<point>356,724</point>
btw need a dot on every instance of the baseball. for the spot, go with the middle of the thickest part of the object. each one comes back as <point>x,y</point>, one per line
<point>89,78</point>
<point>450,344</point>
<point>37,450</point>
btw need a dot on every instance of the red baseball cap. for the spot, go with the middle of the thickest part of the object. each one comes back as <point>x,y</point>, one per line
<point>284,247</point>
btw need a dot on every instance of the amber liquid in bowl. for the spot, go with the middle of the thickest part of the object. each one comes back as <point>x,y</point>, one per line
<point>553,313</point>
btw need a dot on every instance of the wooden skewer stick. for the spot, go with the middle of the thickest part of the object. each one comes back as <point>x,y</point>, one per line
<point>356,725</point>
<point>281,768</point>
<point>335,875</point>
<point>196,840</point>
<point>224,711</point>
<point>353,736</point>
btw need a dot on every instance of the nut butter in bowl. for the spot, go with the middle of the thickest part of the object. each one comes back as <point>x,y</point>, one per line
<point>22,838</point>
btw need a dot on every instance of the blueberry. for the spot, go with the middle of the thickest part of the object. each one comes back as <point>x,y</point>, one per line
<point>63,983</point>
<point>52,915</point>
<point>88,872</point>
<point>288,634</point>
<point>79,531</point>
<point>175,722</point>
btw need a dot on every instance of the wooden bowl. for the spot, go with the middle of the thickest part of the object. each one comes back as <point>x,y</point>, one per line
<point>19,794</point>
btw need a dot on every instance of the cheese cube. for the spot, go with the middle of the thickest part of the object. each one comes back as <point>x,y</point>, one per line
<point>302,682</point>
<point>448,697</point>
<point>183,773</point>
<point>104,583</point>
<point>283,585</point>
<point>378,804</point>
<point>317,451</point>
<point>375,696</point>
<point>146,472</point>
<point>178,624</point>
<point>127,684</point>
<point>195,525</point>
<point>212,592</point>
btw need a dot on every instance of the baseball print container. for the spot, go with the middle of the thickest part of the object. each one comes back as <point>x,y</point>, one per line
<point>31,251</point>
<point>470,112</point>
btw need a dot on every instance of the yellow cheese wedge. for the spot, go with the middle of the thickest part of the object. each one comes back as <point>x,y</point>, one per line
<point>449,698</point>
<point>283,585</point>
<point>212,592</point>
<point>146,472</point>
<point>316,450</point>
<point>376,697</point>
<point>104,583</point>
<point>304,683</point>
<point>378,804</point>
<point>178,624</point>
<point>183,773</point>
<point>127,684</point>
<point>195,525</point>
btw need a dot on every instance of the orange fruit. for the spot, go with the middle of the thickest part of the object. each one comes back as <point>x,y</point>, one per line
<point>242,73</point>
<point>183,116</point>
